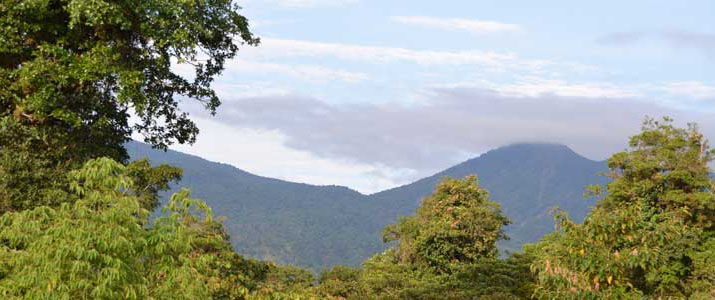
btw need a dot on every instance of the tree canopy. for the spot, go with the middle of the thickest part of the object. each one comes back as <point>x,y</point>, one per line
<point>652,235</point>
<point>456,225</point>
<point>72,72</point>
<point>447,251</point>
<point>74,212</point>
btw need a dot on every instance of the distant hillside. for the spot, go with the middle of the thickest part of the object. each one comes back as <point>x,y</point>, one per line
<point>528,180</point>
<point>291,223</point>
<point>319,226</point>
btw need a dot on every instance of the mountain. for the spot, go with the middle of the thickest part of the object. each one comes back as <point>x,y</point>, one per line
<point>528,180</point>
<point>291,223</point>
<point>319,226</point>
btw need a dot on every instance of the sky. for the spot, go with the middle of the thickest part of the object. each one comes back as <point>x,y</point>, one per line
<point>376,94</point>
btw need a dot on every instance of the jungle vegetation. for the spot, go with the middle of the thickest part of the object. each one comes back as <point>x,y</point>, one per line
<point>74,212</point>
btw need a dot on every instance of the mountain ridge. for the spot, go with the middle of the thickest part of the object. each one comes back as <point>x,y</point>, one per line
<point>317,226</point>
<point>139,149</point>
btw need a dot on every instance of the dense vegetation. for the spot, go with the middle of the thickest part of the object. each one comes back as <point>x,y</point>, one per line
<point>317,227</point>
<point>652,235</point>
<point>447,251</point>
<point>75,215</point>
<point>71,71</point>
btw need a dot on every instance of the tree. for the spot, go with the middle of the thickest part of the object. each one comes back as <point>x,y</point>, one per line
<point>651,235</point>
<point>148,181</point>
<point>71,71</point>
<point>447,251</point>
<point>101,247</point>
<point>340,282</point>
<point>456,225</point>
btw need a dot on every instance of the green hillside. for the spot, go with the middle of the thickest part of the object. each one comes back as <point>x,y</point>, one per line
<point>528,180</point>
<point>320,226</point>
<point>291,223</point>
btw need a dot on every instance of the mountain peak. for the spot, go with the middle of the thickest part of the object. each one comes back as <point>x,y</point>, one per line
<point>540,151</point>
<point>540,146</point>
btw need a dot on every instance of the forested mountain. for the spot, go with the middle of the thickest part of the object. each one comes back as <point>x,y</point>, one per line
<point>291,223</point>
<point>528,180</point>
<point>318,226</point>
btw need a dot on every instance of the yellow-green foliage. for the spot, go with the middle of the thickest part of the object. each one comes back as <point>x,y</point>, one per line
<point>103,247</point>
<point>651,236</point>
<point>447,251</point>
<point>456,225</point>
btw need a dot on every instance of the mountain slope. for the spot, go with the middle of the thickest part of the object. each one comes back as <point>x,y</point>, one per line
<point>528,180</point>
<point>319,226</point>
<point>291,223</point>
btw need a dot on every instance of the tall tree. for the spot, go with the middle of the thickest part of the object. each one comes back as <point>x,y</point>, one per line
<point>653,233</point>
<point>71,71</point>
<point>447,251</point>
<point>455,225</point>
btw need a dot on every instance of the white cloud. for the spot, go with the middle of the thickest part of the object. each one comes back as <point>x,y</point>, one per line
<point>263,152</point>
<point>228,90</point>
<point>701,41</point>
<point>273,48</point>
<point>303,72</point>
<point>305,3</point>
<point>473,26</point>
<point>536,87</point>
<point>265,23</point>
<point>488,61</point>
<point>433,135</point>
<point>539,87</point>
<point>694,89</point>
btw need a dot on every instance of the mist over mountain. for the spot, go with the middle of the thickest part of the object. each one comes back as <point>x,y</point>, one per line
<point>319,226</point>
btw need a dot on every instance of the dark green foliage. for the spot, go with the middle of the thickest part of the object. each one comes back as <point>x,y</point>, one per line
<point>340,282</point>
<point>288,279</point>
<point>148,181</point>
<point>71,70</point>
<point>509,278</point>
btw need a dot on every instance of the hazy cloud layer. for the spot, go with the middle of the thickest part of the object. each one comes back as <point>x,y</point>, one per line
<point>621,38</point>
<point>314,73</point>
<point>275,48</point>
<point>303,3</point>
<point>470,25</point>
<point>454,124</point>
<point>704,42</point>
<point>695,89</point>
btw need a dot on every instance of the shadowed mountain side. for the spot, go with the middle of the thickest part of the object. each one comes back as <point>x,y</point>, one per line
<point>528,180</point>
<point>319,226</point>
<point>291,223</point>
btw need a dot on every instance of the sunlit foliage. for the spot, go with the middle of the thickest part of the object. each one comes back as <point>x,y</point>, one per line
<point>651,236</point>
<point>447,251</point>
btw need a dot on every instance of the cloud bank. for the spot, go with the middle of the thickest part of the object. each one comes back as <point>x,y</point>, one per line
<point>455,124</point>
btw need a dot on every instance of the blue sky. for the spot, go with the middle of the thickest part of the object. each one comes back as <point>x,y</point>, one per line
<point>375,94</point>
